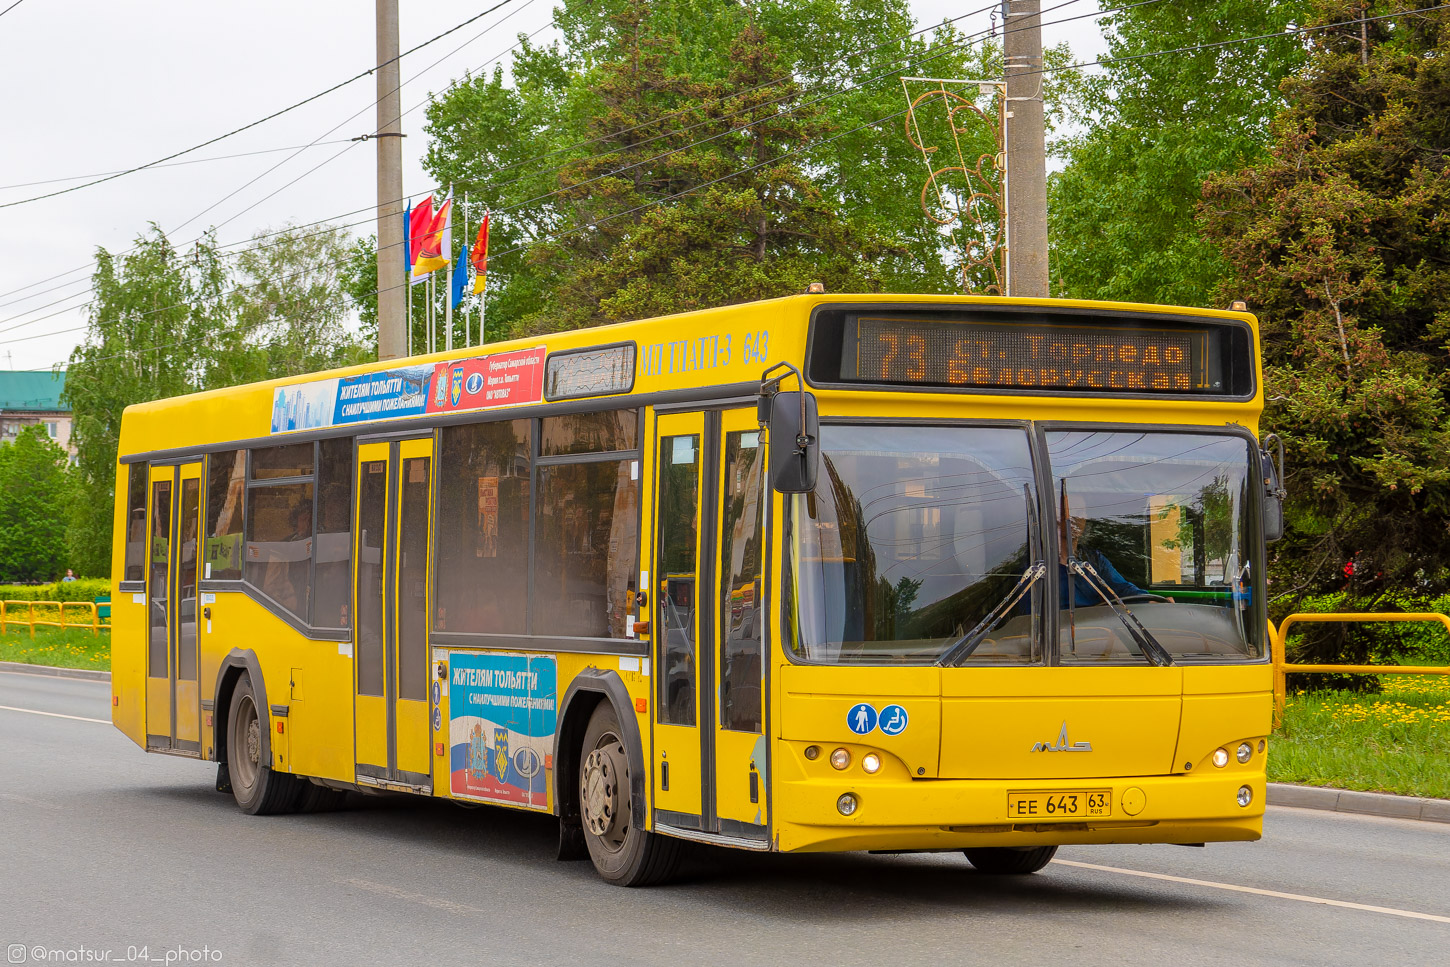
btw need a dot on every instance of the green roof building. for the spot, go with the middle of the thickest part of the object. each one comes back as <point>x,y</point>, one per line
<point>29,396</point>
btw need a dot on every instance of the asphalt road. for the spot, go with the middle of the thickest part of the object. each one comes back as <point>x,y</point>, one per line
<point>105,850</point>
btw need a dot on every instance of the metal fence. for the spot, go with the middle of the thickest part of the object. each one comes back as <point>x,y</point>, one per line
<point>1282,668</point>
<point>54,614</point>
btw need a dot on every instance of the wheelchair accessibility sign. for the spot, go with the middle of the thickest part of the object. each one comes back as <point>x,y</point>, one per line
<point>893,720</point>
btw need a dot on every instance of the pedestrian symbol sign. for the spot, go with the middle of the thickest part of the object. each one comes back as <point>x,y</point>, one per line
<point>861,719</point>
<point>893,720</point>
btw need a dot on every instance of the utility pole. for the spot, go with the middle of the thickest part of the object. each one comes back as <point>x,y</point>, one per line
<point>392,294</point>
<point>1026,150</point>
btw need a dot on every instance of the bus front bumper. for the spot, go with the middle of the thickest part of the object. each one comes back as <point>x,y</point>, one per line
<point>927,814</point>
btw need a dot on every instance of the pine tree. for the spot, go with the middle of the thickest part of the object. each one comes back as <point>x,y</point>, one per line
<point>1340,240</point>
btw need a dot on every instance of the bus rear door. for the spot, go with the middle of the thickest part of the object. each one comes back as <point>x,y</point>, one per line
<point>173,699</point>
<point>390,606</point>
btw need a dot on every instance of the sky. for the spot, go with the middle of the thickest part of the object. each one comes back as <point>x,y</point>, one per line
<point>96,86</point>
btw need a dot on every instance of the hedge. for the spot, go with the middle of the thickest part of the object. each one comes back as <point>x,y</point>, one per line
<point>81,589</point>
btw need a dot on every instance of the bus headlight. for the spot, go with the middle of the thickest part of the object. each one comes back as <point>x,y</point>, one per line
<point>871,762</point>
<point>841,758</point>
<point>813,752</point>
<point>846,804</point>
<point>1245,796</point>
<point>1220,757</point>
<point>1244,752</point>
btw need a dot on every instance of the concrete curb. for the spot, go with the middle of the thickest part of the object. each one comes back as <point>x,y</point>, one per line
<point>50,671</point>
<point>1362,803</point>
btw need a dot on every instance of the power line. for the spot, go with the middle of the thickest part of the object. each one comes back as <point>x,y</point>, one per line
<point>174,164</point>
<point>821,142</point>
<point>246,127</point>
<point>351,142</point>
<point>255,238</point>
<point>11,7</point>
<point>927,57</point>
<point>569,148</point>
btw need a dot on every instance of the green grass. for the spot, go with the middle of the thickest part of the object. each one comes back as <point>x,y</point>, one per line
<point>67,648</point>
<point>1397,741</point>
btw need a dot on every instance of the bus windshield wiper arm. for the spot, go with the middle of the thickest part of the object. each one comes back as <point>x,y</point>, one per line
<point>962,648</point>
<point>1152,649</point>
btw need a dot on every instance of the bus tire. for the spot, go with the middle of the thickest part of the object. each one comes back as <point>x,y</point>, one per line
<point>259,791</point>
<point>1005,860</point>
<point>622,853</point>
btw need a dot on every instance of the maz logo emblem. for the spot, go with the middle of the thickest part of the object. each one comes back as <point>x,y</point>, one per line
<point>1063,743</point>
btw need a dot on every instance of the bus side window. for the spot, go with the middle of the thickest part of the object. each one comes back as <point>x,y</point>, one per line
<point>741,557</point>
<point>136,523</point>
<point>481,551</point>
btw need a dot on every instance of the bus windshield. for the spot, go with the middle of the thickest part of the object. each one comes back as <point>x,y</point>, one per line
<point>913,538</point>
<point>1154,523</point>
<point>922,545</point>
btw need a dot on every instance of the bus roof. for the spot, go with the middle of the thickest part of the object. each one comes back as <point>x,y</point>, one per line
<point>720,349</point>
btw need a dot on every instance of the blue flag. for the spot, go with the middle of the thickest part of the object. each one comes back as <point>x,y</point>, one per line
<point>460,275</point>
<point>407,238</point>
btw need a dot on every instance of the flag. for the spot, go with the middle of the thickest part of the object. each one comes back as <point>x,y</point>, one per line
<point>460,276</point>
<point>479,256</point>
<point>420,221</point>
<point>407,238</point>
<point>434,251</point>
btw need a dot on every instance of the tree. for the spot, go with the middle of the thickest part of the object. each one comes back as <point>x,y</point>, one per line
<point>1339,241</point>
<point>150,321</point>
<point>35,501</point>
<point>1123,212</point>
<point>689,153</point>
<point>165,324</point>
<point>288,313</point>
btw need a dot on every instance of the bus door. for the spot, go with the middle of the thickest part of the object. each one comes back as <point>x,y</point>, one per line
<point>173,698</point>
<point>740,757</point>
<point>390,608</point>
<point>709,768</point>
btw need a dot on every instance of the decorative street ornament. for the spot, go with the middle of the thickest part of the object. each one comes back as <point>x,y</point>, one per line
<point>967,198</point>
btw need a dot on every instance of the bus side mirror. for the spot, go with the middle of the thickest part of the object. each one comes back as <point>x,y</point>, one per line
<point>1273,504</point>
<point>794,442</point>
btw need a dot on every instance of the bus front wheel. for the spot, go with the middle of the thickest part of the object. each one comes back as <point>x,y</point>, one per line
<point>258,790</point>
<point>622,853</point>
<point>1006,860</point>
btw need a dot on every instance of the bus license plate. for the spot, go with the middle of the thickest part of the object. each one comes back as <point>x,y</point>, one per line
<point>1059,805</point>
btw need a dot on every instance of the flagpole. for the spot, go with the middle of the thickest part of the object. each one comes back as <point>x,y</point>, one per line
<point>448,305</point>
<point>465,267</point>
<point>408,281</point>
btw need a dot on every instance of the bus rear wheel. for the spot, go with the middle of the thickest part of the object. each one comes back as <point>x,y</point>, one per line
<point>622,853</point>
<point>258,790</point>
<point>1006,860</point>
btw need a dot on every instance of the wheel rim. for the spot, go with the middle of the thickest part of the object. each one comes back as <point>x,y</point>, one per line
<point>604,793</point>
<point>247,739</point>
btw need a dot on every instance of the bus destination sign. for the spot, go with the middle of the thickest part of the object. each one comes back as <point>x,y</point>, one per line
<point>1029,355</point>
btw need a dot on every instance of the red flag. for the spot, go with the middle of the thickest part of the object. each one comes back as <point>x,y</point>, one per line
<point>420,223</point>
<point>479,256</point>
<point>438,237</point>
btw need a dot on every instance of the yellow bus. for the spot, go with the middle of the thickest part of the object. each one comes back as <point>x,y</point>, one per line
<point>817,573</point>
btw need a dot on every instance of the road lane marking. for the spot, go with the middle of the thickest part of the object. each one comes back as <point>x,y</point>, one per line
<point>1233,887</point>
<point>54,715</point>
<point>426,899</point>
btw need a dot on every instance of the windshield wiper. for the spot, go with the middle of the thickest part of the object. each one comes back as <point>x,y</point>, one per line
<point>962,648</point>
<point>1152,649</point>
